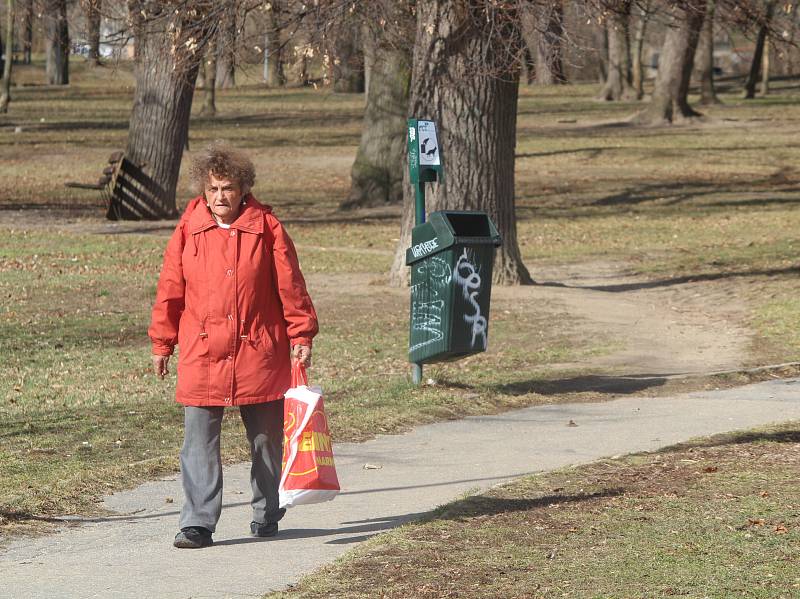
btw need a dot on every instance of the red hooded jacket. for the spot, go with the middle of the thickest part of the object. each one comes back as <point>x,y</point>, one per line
<point>233,300</point>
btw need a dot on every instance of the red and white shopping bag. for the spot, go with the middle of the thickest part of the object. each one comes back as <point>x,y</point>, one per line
<point>309,474</point>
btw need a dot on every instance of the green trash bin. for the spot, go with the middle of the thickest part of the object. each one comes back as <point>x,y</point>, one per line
<point>451,257</point>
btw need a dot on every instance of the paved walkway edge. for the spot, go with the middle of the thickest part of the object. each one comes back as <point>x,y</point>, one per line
<point>130,555</point>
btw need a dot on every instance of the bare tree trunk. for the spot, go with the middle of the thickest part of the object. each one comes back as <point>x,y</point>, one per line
<point>348,58</point>
<point>670,96</point>
<point>618,83</point>
<point>27,32</point>
<point>476,112</point>
<point>377,173</point>
<point>162,101</point>
<point>549,50</point>
<point>57,34</point>
<point>137,23</point>
<point>528,26</point>
<point>276,77</point>
<point>93,8</point>
<point>210,79</point>
<point>705,55</point>
<point>369,48</point>
<point>5,82</point>
<point>226,48</point>
<point>758,53</point>
<point>637,69</point>
<point>765,69</point>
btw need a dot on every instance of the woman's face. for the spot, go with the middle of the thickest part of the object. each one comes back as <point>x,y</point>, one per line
<point>224,198</point>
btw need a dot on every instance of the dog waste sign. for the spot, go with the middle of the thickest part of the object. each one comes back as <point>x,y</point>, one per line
<point>424,156</point>
<point>428,144</point>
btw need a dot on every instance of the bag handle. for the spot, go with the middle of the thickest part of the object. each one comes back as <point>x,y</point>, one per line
<point>299,375</point>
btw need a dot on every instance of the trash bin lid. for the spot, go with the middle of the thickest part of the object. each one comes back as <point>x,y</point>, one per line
<point>446,228</point>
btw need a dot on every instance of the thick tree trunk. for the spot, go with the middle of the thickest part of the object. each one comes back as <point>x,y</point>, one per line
<point>765,70</point>
<point>210,81</point>
<point>758,53</point>
<point>27,32</point>
<point>377,173</point>
<point>93,8</point>
<point>5,82</point>
<point>705,58</point>
<point>348,59</point>
<point>670,96</point>
<point>57,36</point>
<point>637,69</point>
<point>226,48</point>
<point>549,49</point>
<point>475,109</point>
<point>162,101</point>
<point>618,82</point>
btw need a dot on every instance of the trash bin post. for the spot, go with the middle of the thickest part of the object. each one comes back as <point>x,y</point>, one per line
<point>425,166</point>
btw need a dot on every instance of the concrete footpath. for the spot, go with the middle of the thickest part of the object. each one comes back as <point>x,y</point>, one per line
<point>386,482</point>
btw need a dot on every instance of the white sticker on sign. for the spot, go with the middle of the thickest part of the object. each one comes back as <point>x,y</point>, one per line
<point>428,144</point>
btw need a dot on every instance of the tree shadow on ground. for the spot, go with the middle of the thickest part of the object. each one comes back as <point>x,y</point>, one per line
<point>742,438</point>
<point>676,193</point>
<point>482,505</point>
<point>682,280</point>
<point>597,383</point>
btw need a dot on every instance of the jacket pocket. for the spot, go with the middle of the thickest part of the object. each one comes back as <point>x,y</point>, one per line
<point>266,342</point>
<point>192,340</point>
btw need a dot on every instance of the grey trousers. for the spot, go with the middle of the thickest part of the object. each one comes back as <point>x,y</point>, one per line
<point>201,464</point>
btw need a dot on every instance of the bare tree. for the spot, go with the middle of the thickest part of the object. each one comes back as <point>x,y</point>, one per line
<point>466,78</point>
<point>758,53</point>
<point>274,48</point>
<point>670,96</point>
<point>210,79</point>
<point>765,69</point>
<point>377,174</point>
<point>705,58</point>
<point>226,47</point>
<point>618,81</point>
<point>348,56</point>
<point>5,82</point>
<point>172,39</point>
<point>27,32</point>
<point>549,48</point>
<point>93,9</point>
<point>57,37</point>
<point>643,12</point>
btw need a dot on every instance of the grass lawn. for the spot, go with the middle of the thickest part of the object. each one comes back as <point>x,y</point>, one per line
<point>716,517</point>
<point>81,413</point>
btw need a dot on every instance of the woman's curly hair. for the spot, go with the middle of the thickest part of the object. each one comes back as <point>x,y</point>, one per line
<point>224,162</point>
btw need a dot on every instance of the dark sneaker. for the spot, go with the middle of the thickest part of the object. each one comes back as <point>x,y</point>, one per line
<point>193,537</point>
<point>264,529</point>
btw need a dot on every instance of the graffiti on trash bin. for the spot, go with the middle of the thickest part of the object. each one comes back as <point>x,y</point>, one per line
<point>426,301</point>
<point>467,277</point>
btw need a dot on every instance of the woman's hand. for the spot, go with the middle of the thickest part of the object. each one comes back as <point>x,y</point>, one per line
<point>301,354</point>
<point>160,366</point>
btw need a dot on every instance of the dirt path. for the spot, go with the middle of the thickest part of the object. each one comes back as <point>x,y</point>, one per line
<point>662,328</point>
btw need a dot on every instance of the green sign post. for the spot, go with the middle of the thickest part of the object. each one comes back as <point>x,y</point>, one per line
<point>425,166</point>
<point>451,258</point>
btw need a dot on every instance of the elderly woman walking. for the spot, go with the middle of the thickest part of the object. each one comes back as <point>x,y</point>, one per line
<point>231,296</point>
